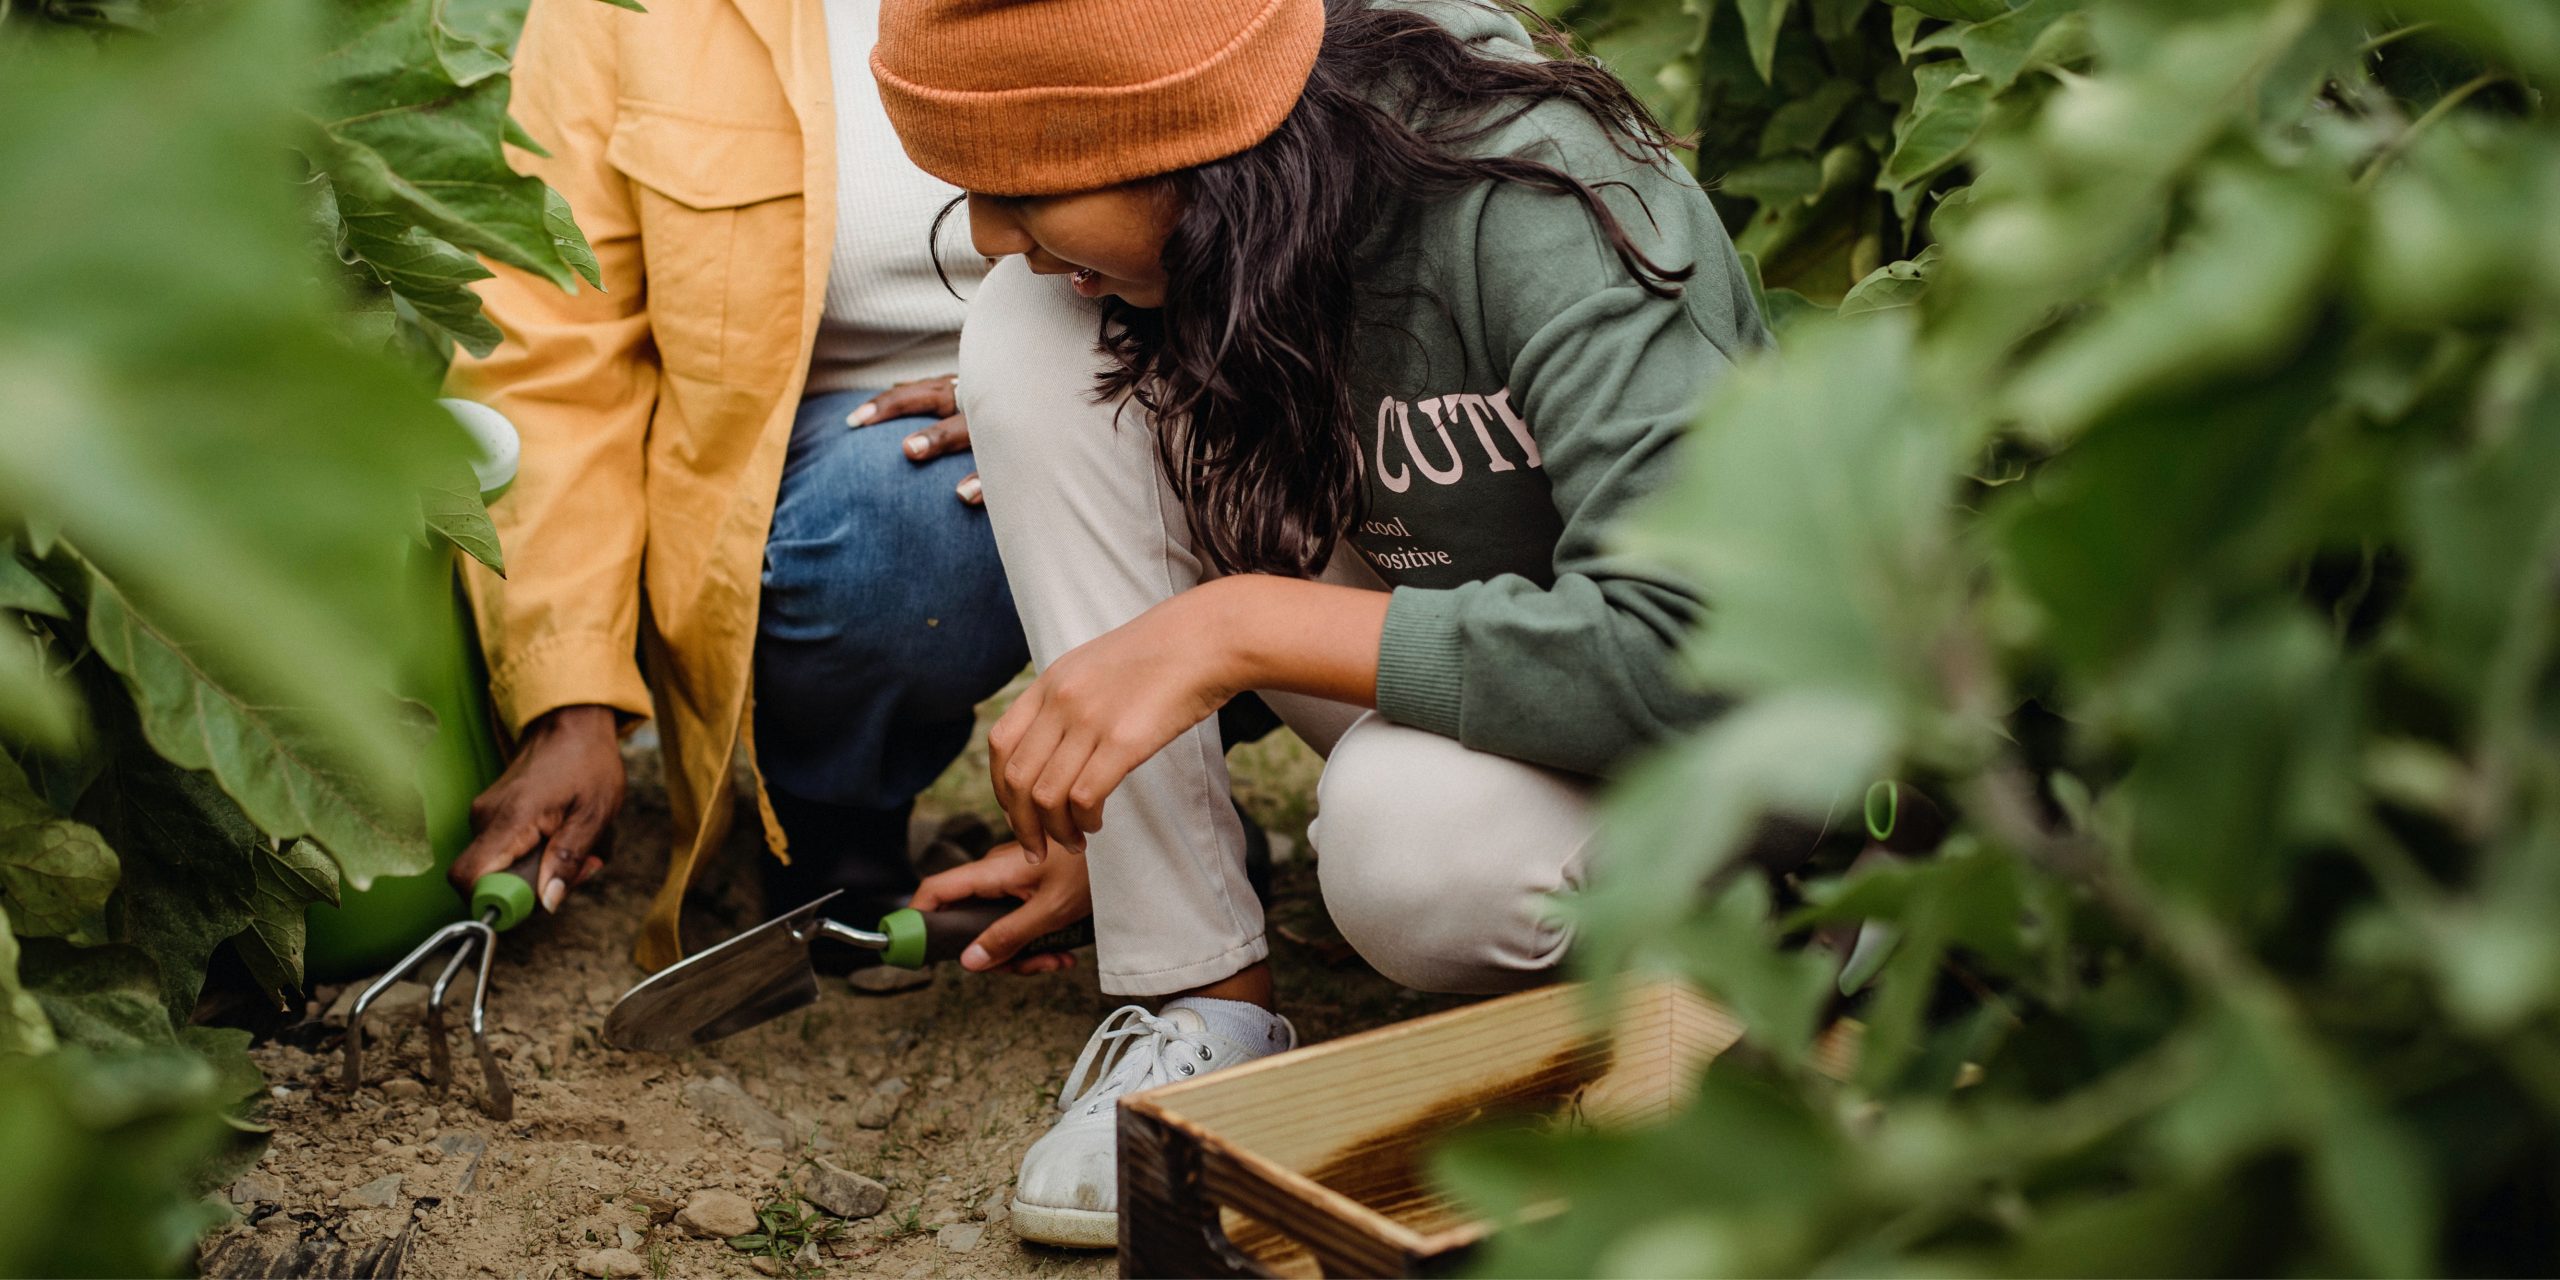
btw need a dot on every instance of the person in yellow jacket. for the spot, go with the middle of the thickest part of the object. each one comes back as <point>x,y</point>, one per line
<point>746,503</point>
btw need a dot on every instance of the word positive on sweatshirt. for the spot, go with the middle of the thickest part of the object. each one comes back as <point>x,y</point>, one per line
<point>1447,464</point>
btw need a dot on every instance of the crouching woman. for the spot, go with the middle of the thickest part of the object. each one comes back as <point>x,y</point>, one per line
<point>1332,338</point>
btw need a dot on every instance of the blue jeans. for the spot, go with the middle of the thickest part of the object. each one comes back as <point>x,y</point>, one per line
<point>885,622</point>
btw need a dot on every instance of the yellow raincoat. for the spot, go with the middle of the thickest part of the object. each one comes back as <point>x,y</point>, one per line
<point>696,146</point>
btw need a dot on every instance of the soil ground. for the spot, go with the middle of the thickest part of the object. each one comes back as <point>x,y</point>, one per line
<point>605,1145</point>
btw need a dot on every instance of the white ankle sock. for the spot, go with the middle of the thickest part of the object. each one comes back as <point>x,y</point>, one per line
<point>1249,1025</point>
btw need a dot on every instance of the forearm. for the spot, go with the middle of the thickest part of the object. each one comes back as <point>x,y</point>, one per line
<point>1311,638</point>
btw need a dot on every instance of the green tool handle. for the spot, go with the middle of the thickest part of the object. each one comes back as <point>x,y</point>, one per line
<point>919,938</point>
<point>509,893</point>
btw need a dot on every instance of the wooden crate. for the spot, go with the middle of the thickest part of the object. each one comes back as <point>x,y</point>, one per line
<point>1310,1164</point>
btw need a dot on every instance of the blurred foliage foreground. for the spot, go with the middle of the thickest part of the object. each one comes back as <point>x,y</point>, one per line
<point>239,243</point>
<point>2175,494</point>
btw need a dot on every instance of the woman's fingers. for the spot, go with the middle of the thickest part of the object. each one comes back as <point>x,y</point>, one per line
<point>932,397</point>
<point>1018,749</point>
<point>992,877</point>
<point>997,943</point>
<point>1051,792</point>
<point>946,435</point>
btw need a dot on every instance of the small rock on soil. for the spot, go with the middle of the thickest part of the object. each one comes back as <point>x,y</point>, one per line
<point>610,1264</point>
<point>881,1106</point>
<point>842,1192</point>
<point>717,1213</point>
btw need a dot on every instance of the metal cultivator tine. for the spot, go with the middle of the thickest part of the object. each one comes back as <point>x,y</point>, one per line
<point>501,1100</point>
<point>439,1060</point>
<point>474,936</point>
<point>355,1017</point>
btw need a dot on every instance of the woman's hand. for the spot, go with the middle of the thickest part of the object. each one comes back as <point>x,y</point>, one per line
<point>1111,703</point>
<point>1100,711</point>
<point>1055,893</point>
<point>936,398</point>
<point>559,794</point>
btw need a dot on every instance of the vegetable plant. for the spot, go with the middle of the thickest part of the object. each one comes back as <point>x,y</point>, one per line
<point>240,242</point>
<point>2160,468</point>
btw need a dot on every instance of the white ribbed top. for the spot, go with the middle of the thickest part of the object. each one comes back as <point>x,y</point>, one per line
<point>887,319</point>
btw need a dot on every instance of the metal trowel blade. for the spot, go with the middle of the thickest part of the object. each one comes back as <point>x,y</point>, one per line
<point>750,979</point>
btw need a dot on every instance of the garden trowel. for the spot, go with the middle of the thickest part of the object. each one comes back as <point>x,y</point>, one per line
<point>767,971</point>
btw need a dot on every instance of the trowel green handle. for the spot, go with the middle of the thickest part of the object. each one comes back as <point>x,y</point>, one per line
<point>919,938</point>
<point>508,893</point>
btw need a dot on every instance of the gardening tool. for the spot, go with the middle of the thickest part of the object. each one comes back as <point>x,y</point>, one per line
<point>415,917</point>
<point>767,971</point>
<point>500,901</point>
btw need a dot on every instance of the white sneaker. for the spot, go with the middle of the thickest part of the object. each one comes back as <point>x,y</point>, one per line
<point>1069,1191</point>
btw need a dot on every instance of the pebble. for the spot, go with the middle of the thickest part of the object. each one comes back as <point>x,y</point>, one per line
<point>767,1163</point>
<point>960,1237</point>
<point>720,1098</point>
<point>880,1106</point>
<point>717,1213</point>
<point>381,1193</point>
<point>764,1265</point>
<point>276,1224</point>
<point>252,1188</point>
<point>402,1088</point>
<point>841,1192</point>
<point>610,1263</point>
<point>889,980</point>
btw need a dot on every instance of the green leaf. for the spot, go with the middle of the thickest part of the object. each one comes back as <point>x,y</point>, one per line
<point>2036,33</point>
<point>188,863</point>
<point>1811,509</point>
<point>102,998</point>
<point>286,883</point>
<point>289,779</point>
<point>1761,21</point>
<point>568,240</point>
<point>1948,114</point>
<point>24,1028</point>
<point>36,704</point>
<point>415,125</point>
<point>1895,284</point>
<point>1955,10</point>
<point>22,589</point>
<point>2233,296</point>
<point>55,874</point>
<point>455,512</point>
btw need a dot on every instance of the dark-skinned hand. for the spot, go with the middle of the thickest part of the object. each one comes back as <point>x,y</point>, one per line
<point>558,795</point>
<point>936,398</point>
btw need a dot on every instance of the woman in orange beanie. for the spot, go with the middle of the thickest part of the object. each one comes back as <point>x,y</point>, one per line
<point>1376,317</point>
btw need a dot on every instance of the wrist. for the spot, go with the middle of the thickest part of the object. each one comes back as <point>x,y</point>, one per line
<point>1220,622</point>
<point>586,720</point>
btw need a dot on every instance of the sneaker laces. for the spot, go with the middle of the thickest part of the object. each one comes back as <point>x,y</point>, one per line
<point>1132,1050</point>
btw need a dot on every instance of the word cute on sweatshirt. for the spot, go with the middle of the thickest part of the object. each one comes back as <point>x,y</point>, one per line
<point>1399,453</point>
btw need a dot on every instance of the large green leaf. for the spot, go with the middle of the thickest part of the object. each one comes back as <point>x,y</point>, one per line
<point>55,874</point>
<point>189,864</point>
<point>412,132</point>
<point>221,455</point>
<point>291,779</point>
<point>104,997</point>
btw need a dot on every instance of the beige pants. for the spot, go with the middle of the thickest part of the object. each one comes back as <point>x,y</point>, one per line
<point>1434,859</point>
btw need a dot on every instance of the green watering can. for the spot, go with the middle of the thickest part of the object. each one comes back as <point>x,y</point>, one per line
<point>401,921</point>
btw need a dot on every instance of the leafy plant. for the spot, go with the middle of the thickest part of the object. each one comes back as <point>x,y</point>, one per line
<point>2182,510</point>
<point>785,1230</point>
<point>222,473</point>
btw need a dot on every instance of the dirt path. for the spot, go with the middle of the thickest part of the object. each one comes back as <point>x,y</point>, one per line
<point>933,1092</point>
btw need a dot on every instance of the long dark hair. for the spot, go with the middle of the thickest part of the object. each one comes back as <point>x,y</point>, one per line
<point>1247,366</point>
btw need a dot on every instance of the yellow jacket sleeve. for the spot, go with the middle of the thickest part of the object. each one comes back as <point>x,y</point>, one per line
<point>578,376</point>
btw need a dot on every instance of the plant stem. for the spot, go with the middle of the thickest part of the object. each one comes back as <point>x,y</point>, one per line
<point>2444,106</point>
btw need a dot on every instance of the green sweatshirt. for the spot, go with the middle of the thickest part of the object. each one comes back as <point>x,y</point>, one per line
<point>1527,393</point>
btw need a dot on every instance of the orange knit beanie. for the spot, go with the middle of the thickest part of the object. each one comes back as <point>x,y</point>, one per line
<point>1047,97</point>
